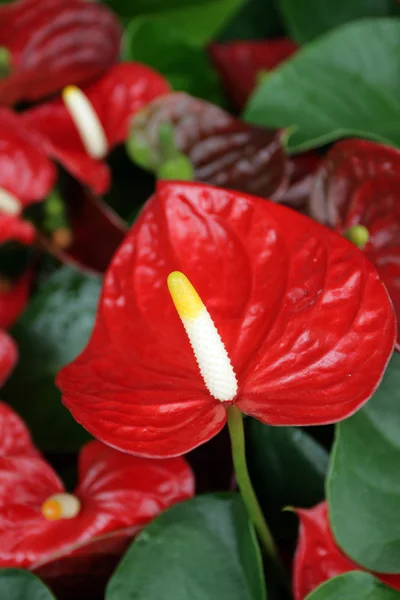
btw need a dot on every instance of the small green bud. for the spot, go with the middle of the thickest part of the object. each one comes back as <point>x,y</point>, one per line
<point>358,234</point>
<point>179,168</point>
<point>138,151</point>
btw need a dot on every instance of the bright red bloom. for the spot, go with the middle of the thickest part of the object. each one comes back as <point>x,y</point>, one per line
<point>14,300</point>
<point>318,558</point>
<point>359,184</point>
<point>26,176</point>
<point>115,98</point>
<point>54,43</point>
<point>305,320</point>
<point>118,494</point>
<point>240,64</point>
<point>8,356</point>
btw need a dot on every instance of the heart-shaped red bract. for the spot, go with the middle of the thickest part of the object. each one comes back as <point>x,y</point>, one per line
<point>119,494</point>
<point>14,228</point>
<point>8,356</point>
<point>241,63</point>
<point>359,184</point>
<point>53,43</point>
<point>306,321</point>
<point>14,300</point>
<point>116,97</point>
<point>318,558</point>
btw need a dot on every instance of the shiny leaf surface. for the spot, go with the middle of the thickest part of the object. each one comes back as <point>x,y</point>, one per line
<point>53,44</point>
<point>312,94</point>
<point>363,491</point>
<point>205,548</point>
<point>52,331</point>
<point>318,558</point>
<point>16,584</point>
<point>305,320</point>
<point>354,585</point>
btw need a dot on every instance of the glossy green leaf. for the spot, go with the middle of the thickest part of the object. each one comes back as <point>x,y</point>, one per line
<point>354,586</point>
<point>364,481</point>
<point>307,19</point>
<point>52,331</point>
<point>257,19</point>
<point>16,584</point>
<point>332,88</point>
<point>287,467</point>
<point>168,50</point>
<point>198,21</point>
<point>203,549</point>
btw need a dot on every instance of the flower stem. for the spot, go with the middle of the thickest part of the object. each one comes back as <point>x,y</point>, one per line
<point>236,432</point>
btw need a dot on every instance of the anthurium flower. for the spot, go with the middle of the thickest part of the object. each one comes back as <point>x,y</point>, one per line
<point>80,129</point>
<point>26,176</point>
<point>318,558</point>
<point>116,494</point>
<point>241,64</point>
<point>357,189</point>
<point>52,43</point>
<point>8,356</point>
<point>287,321</point>
<point>14,299</point>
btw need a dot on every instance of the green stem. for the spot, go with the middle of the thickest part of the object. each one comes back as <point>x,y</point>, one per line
<point>236,432</point>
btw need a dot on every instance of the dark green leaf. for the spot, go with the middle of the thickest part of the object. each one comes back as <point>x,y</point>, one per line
<point>363,484</point>
<point>203,549</point>
<point>199,20</point>
<point>332,88</point>
<point>257,19</point>
<point>307,19</point>
<point>52,331</point>
<point>16,584</point>
<point>354,586</point>
<point>287,467</point>
<point>168,50</point>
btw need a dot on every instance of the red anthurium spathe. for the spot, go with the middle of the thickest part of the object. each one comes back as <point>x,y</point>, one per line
<point>240,64</point>
<point>116,494</point>
<point>53,43</point>
<point>80,130</point>
<point>306,325</point>
<point>14,300</point>
<point>359,185</point>
<point>318,558</point>
<point>8,356</point>
<point>27,175</point>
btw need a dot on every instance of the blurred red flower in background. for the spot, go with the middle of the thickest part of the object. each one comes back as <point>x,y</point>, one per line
<point>116,494</point>
<point>305,320</point>
<point>113,101</point>
<point>53,43</point>
<point>359,184</point>
<point>318,558</point>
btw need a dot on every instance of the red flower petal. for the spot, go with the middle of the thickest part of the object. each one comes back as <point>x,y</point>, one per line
<point>302,170</point>
<point>13,302</point>
<point>121,92</point>
<point>14,228</point>
<point>318,558</point>
<point>25,170</point>
<point>119,495</point>
<point>54,43</point>
<point>347,165</point>
<point>15,439</point>
<point>8,356</point>
<point>239,63</point>
<point>307,324</point>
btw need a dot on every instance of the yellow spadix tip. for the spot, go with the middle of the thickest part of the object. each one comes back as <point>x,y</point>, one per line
<point>60,506</point>
<point>187,301</point>
<point>51,510</point>
<point>70,90</point>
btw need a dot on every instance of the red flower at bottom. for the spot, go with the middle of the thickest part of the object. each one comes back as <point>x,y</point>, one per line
<point>318,558</point>
<point>116,494</point>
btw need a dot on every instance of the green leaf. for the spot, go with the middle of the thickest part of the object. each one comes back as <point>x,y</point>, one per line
<point>168,50</point>
<point>364,483</point>
<point>287,467</point>
<point>199,20</point>
<point>16,584</point>
<point>354,586</point>
<point>332,88</point>
<point>307,19</point>
<point>203,549</point>
<point>257,19</point>
<point>52,331</point>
